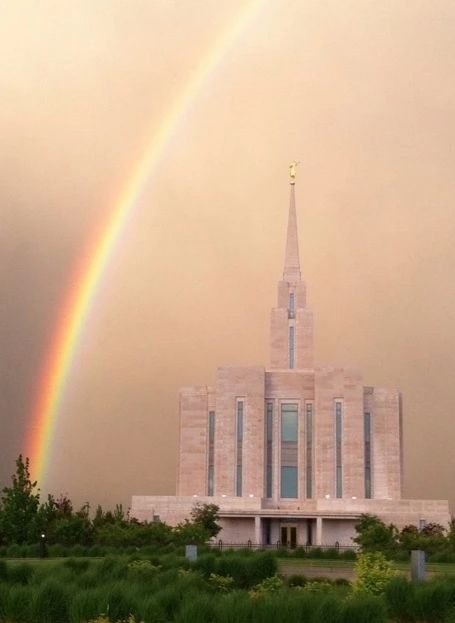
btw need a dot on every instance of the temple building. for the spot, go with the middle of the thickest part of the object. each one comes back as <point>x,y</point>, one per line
<point>291,453</point>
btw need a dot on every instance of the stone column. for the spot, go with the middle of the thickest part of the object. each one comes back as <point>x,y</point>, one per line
<point>318,530</point>
<point>257,530</point>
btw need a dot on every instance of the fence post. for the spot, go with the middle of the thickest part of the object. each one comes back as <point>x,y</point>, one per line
<point>220,545</point>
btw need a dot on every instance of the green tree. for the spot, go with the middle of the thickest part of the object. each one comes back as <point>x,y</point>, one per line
<point>373,535</point>
<point>19,508</point>
<point>206,516</point>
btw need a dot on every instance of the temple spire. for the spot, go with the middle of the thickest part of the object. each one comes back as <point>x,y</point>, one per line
<point>291,272</point>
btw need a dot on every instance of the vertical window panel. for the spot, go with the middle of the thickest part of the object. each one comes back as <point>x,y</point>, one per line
<point>291,347</point>
<point>268,449</point>
<point>309,450</point>
<point>367,442</point>
<point>339,448</point>
<point>211,454</point>
<point>239,450</point>
<point>289,451</point>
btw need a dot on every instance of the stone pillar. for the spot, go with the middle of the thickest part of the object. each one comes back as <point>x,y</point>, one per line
<point>417,564</point>
<point>318,530</point>
<point>257,530</point>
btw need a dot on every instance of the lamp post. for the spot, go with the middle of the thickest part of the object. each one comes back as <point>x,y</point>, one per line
<point>43,546</point>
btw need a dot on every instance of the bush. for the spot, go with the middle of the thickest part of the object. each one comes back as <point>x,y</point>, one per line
<point>329,607</point>
<point>151,611</point>
<point>87,604</point>
<point>142,570</point>
<point>374,572</point>
<point>18,604</point>
<point>272,584</point>
<point>236,607</point>
<point>297,580</point>
<point>399,596</point>
<point>120,602</point>
<point>221,583</point>
<point>199,608</point>
<point>3,571</point>
<point>364,608</point>
<point>76,565</point>
<point>432,600</point>
<point>50,604</point>
<point>20,574</point>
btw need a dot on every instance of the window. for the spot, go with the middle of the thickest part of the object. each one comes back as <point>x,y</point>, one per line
<point>268,449</point>
<point>291,347</point>
<point>309,450</point>
<point>291,309</point>
<point>211,457</point>
<point>338,448</point>
<point>239,452</point>
<point>367,449</point>
<point>289,450</point>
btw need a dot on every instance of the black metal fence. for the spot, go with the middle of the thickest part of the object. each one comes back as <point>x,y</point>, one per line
<point>221,545</point>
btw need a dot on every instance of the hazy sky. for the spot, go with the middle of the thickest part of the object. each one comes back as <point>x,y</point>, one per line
<point>361,91</point>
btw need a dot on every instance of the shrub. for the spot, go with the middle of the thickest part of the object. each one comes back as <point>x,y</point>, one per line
<point>432,600</point>
<point>365,608</point>
<point>221,583</point>
<point>76,565</point>
<point>235,607</point>
<point>18,604</point>
<point>14,551</point>
<point>329,607</point>
<point>399,596</point>
<point>317,585</point>
<point>151,611</point>
<point>142,570</point>
<point>50,604</point>
<point>3,570</point>
<point>297,580</point>
<point>269,585</point>
<point>57,551</point>
<point>87,604</point>
<point>120,602</point>
<point>374,572</point>
<point>300,552</point>
<point>20,574</point>
<point>199,608</point>
<point>348,554</point>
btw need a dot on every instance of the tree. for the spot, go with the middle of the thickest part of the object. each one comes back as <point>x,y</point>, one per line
<point>206,516</point>
<point>20,504</point>
<point>373,535</point>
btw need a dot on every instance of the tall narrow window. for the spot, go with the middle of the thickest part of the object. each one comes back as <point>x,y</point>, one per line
<point>289,450</point>
<point>291,309</point>
<point>338,448</point>
<point>268,449</point>
<point>239,468</point>
<point>367,438</point>
<point>211,457</point>
<point>291,347</point>
<point>309,450</point>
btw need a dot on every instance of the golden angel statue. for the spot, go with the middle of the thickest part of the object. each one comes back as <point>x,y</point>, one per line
<point>292,168</point>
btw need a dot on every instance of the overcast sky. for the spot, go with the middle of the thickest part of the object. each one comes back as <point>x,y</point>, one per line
<point>362,92</point>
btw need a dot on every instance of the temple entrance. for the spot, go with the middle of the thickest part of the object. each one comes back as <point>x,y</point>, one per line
<point>289,536</point>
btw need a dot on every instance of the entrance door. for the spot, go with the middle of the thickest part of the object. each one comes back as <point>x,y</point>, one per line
<point>289,536</point>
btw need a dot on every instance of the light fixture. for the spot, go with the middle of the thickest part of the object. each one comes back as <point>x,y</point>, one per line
<point>251,495</point>
<point>195,495</point>
<point>223,495</point>
<point>327,496</point>
<point>354,497</point>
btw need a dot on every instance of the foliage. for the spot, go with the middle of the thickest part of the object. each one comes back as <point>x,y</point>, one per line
<point>318,586</point>
<point>142,570</point>
<point>206,516</point>
<point>374,572</point>
<point>19,506</point>
<point>373,535</point>
<point>269,585</point>
<point>221,583</point>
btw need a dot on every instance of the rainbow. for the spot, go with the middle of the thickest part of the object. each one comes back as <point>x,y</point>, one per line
<point>85,281</point>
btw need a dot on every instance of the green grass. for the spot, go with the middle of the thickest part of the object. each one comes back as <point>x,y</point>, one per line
<point>292,563</point>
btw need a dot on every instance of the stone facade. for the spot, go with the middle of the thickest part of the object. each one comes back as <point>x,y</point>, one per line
<point>291,453</point>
